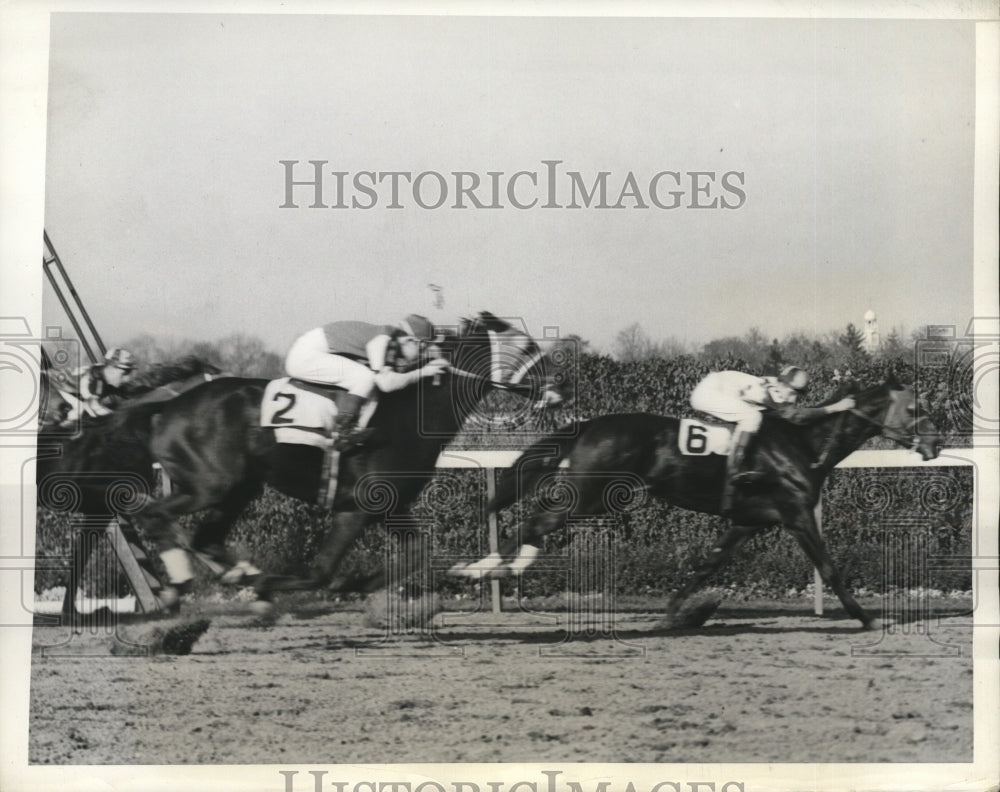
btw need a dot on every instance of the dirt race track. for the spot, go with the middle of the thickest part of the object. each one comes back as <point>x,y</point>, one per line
<point>754,685</point>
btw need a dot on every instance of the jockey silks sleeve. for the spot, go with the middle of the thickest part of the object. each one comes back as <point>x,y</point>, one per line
<point>795,414</point>
<point>352,339</point>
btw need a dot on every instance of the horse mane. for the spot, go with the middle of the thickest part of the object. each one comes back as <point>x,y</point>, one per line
<point>851,388</point>
<point>166,373</point>
<point>481,324</point>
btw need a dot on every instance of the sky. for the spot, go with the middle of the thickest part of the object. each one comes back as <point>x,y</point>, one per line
<point>853,140</point>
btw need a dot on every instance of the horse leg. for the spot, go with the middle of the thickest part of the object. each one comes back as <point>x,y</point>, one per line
<point>732,540</point>
<point>516,552</point>
<point>586,495</point>
<point>158,518</point>
<point>346,529</point>
<point>209,540</point>
<point>803,528</point>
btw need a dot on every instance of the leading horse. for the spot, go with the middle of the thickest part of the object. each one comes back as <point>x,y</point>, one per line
<point>642,451</point>
<point>218,456</point>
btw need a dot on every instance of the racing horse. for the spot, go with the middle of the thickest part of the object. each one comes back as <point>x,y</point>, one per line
<point>642,451</point>
<point>102,468</point>
<point>218,456</point>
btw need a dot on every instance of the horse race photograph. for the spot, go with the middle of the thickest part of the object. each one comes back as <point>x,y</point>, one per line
<point>481,398</point>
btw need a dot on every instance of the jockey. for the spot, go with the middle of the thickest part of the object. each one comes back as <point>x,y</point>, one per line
<point>97,389</point>
<point>359,358</point>
<point>742,398</point>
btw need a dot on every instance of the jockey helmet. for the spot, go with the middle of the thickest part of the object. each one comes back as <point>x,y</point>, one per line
<point>418,327</point>
<point>120,358</point>
<point>794,377</point>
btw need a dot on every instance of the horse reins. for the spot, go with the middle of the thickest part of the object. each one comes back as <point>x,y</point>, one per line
<point>888,431</point>
<point>514,387</point>
<point>496,369</point>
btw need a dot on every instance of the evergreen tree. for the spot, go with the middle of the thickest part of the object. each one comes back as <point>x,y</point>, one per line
<point>853,340</point>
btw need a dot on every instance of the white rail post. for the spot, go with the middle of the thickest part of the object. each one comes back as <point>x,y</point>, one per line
<point>494,535</point>
<point>817,577</point>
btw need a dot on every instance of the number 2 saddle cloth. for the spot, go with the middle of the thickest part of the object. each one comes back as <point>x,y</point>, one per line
<point>303,412</point>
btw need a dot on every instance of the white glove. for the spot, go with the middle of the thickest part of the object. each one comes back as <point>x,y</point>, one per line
<point>846,403</point>
<point>435,367</point>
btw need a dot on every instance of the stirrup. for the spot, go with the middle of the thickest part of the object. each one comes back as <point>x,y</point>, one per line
<point>748,477</point>
<point>353,438</point>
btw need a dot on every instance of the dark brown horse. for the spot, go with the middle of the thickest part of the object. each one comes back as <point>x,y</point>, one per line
<point>102,468</point>
<point>210,442</point>
<point>640,451</point>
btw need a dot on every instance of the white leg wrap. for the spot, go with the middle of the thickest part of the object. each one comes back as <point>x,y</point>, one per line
<point>525,558</point>
<point>241,570</point>
<point>482,566</point>
<point>178,565</point>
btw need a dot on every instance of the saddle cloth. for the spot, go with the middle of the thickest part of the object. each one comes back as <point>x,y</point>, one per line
<point>696,438</point>
<point>302,413</point>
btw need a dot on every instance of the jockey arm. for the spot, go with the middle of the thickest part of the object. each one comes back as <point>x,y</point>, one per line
<point>795,414</point>
<point>383,360</point>
<point>782,401</point>
<point>92,391</point>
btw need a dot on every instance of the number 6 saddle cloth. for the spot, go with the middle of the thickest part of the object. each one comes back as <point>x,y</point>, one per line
<point>303,412</point>
<point>697,438</point>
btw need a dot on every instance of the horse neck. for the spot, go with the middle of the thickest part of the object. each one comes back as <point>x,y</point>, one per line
<point>431,419</point>
<point>838,436</point>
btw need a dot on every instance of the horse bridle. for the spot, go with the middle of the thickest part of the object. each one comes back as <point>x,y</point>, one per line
<point>893,434</point>
<point>888,431</point>
<point>495,380</point>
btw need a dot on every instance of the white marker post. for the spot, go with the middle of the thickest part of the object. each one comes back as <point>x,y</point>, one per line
<point>817,578</point>
<point>494,535</point>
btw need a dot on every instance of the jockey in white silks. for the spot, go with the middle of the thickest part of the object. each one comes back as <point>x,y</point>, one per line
<point>361,358</point>
<point>742,398</point>
<point>97,390</point>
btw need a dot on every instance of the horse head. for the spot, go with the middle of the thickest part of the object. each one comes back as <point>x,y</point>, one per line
<point>893,407</point>
<point>504,357</point>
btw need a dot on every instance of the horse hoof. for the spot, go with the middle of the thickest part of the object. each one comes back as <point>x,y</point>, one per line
<point>690,613</point>
<point>485,566</point>
<point>262,608</point>
<point>518,566</point>
<point>169,599</point>
<point>871,624</point>
<point>243,573</point>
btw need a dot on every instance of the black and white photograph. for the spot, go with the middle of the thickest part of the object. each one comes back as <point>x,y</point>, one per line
<point>481,398</point>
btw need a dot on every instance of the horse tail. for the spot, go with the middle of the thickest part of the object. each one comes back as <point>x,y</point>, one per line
<point>522,478</point>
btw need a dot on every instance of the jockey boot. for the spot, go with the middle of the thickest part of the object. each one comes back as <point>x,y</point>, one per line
<point>348,435</point>
<point>735,475</point>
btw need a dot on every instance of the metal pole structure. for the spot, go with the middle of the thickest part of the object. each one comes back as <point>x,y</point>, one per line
<point>50,257</point>
<point>141,581</point>
<point>494,535</point>
<point>817,578</point>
